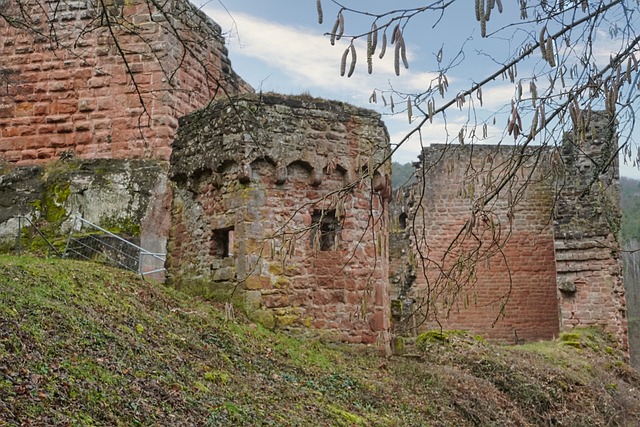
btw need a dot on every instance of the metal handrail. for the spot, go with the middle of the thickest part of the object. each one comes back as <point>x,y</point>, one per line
<point>141,250</point>
<point>71,250</point>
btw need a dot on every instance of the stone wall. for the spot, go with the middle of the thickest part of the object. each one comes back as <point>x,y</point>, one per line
<point>533,260</point>
<point>587,223</point>
<point>267,208</point>
<point>68,93</point>
<point>268,205</point>
<point>71,91</point>
<point>402,271</point>
<point>471,260</point>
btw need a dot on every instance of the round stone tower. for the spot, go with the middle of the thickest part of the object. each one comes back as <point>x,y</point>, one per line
<point>280,203</point>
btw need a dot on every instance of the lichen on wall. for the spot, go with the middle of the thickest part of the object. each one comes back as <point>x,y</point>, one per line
<point>118,195</point>
<point>269,209</point>
<point>586,228</point>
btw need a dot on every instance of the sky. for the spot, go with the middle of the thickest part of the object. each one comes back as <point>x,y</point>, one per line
<point>279,46</point>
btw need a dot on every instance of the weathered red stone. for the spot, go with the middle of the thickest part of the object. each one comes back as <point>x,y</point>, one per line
<point>83,77</point>
<point>290,231</point>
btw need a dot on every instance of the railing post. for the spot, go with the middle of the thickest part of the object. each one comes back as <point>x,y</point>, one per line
<point>19,237</point>
<point>73,226</point>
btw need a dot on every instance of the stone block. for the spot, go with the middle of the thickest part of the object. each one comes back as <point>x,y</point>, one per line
<point>275,300</point>
<point>86,105</point>
<point>282,283</point>
<point>264,317</point>
<point>276,268</point>
<point>6,111</point>
<point>286,320</point>
<point>567,286</point>
<point>253,301</point>
<point>377,322</point>
<point>398,346</point>
<point>224,274</point>
<point>258,282</point>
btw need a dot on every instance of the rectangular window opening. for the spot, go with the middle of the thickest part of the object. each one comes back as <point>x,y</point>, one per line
<point>222,243</point>
<point>325,228</point>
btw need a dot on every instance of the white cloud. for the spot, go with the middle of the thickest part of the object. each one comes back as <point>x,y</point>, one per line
<point>496,97</point>
<point>293,58</point>
<point>307,58</point>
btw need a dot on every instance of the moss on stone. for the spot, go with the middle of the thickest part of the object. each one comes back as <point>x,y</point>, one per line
<point>428,338</point>
<point>575,344</point>
<point>398,345</point>
<point>263,317</point>
<point>126,226</point>
<point>58,188</point>
<point>275,268</point>
<point>570,336</point>
<point>287,320</point>
<point>282,282</point>
<point>51,205</point>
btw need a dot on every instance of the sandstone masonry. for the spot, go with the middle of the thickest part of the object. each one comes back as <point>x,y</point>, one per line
<point>533,260</point>
<point>90,90</point>
<point>586,225</point>
<point>72,92</point>
<point>467,263</point>
<point>267,208</point>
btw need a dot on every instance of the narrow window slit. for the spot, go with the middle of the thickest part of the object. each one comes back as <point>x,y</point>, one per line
<point>222,243</point>
<point>325,228</point>
<point>403,221</point>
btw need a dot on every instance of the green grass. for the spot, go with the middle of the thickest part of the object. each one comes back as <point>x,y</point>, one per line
<point>82,344</point>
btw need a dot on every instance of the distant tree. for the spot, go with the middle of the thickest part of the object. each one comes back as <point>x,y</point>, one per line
<point>630,204</point>
<point>402,174</point>
<point>631,262</point>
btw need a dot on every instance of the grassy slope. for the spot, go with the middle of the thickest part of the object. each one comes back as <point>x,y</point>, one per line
<point>82,344</point>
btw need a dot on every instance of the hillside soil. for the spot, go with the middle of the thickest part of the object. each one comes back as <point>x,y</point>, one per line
<point>82,345</point>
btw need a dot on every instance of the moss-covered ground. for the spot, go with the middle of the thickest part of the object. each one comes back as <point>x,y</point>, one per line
<point>82,345</point>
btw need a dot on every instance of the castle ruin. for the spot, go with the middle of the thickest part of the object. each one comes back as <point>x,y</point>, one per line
<point>268,207</point>
<point>538,257</point>
<point>84,91</point>
<point>283,203</point>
